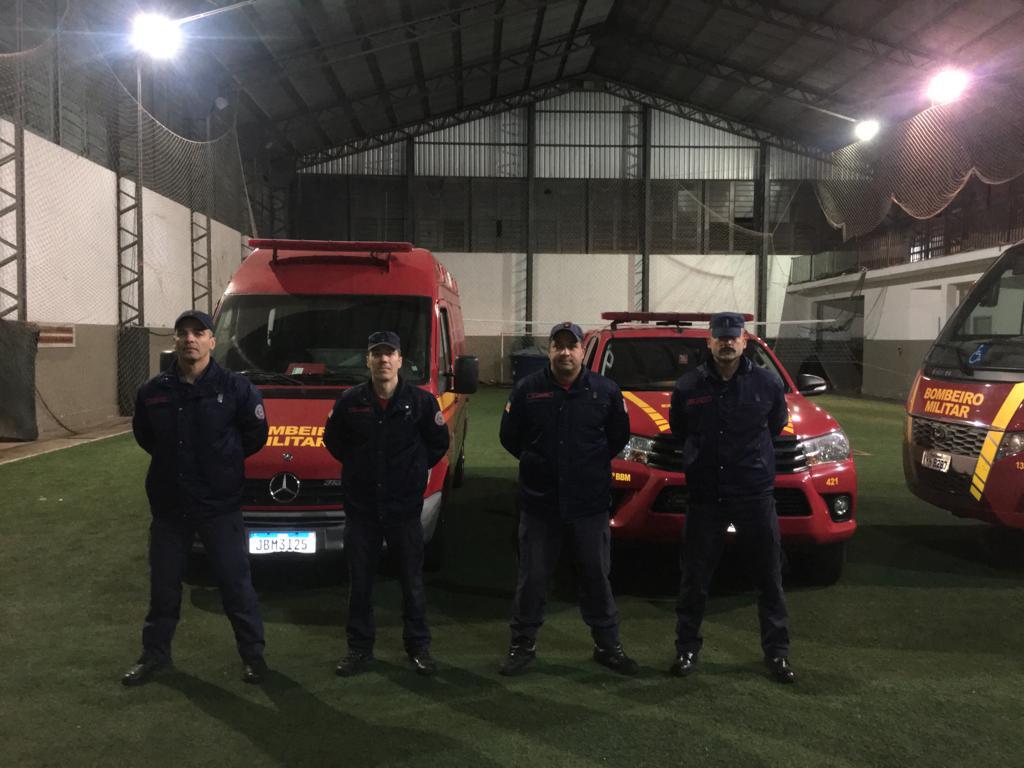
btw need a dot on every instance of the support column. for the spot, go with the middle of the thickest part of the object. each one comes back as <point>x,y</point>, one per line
<point>410,190</point>
<point>645,210</point>
<point>761,209</point>
<point>531,202</point>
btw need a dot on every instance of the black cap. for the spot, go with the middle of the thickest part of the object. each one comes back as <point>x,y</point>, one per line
<point>726,324</point>
<point>567,326</point>
<point>201,317</point>
<point>384,339</point>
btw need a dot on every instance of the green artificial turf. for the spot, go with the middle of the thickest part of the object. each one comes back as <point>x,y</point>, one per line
<point>913,659</point>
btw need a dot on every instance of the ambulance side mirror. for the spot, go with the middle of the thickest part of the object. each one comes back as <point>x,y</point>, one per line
<point>809,384</point>
<point>466,374</point>
<point>166,358</point>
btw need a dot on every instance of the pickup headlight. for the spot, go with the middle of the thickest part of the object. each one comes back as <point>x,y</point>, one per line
<point>831,447</point>
<point>637,449</point>
<point>1012,442</point>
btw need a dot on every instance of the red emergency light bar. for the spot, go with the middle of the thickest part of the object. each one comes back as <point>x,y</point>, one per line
<point>377,251</point>
<point>663,318</point>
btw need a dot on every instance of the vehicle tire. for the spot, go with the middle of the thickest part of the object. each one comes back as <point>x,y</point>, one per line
<point>460,468</point>
<point>823,565</point>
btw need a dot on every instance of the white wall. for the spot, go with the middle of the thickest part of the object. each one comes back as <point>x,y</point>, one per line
<point>167,253</point>
<point>70,237</point>
<point>579,287</point>
<point>492,287</point>
<point>226,258</point>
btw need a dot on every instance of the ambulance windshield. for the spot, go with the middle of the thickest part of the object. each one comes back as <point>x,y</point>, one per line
<point>654,363</point>
<point>987,332</point>
<point>287,339</point>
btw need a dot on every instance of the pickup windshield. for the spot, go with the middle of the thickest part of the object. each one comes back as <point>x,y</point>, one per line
<point>286,339</point>
<point>987,332</point>
<point>638,364</point>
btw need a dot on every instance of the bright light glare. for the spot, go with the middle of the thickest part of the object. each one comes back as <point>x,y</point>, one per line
<point>948,85</point>
<point>866,130</point>
<point>156,35</point>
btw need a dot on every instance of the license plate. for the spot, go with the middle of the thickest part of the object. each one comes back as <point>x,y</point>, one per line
<point>936,460</point>
<point>272,542</point>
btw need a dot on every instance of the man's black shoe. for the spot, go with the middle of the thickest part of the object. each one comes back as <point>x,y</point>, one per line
<point>781,670</point>
<point>143,670</point>
<point>354,663</point>
<point>615,659</point>
<point>423,663</point>
<point>519,657</point>
<point>685,664</point>
<point>254,671</point>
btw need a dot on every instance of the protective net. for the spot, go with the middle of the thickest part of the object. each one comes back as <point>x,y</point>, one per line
<point>922,163</point>
<point>109,221</point>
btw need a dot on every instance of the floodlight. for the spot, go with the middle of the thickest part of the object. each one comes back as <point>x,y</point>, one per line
<point>866,130</point>
<point>948,85</point>
<point>156,35</point>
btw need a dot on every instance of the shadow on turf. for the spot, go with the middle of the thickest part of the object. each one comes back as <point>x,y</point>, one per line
<point>905,551</point>
<point>297,728</point>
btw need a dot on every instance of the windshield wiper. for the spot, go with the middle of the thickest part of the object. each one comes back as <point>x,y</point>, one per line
<point>270,377</point>
<point>961,359</point>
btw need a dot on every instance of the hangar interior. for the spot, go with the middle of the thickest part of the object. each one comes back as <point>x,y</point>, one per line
<point>561,157</point>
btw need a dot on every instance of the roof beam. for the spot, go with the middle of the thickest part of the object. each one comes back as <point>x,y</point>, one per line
<point>547,91</point>
<point>460,96</point>
<point>414,53</point>
<point>456,77</point>
<point>371,61</point>
<point>580,5</point>
<point>777,15</point>
<point>308,16</point>
<point>538,25</point>
<point>777,88</point>
<point>376,41</point>
<point>496,46</point>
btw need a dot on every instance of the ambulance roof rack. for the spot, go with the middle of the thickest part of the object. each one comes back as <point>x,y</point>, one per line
<point>677,319</point>
<point>377,251</point>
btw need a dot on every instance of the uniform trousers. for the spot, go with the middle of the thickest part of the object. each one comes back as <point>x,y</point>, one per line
<point>364,535</point>
<point>223,537</point>
<point>757,538</point>
<point>540,541</point>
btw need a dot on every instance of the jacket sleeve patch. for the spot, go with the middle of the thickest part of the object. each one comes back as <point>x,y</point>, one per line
<point>260,413</point>
<point>439,419</point>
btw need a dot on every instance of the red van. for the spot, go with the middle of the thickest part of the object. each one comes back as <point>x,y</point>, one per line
<point>815,483</point>
<point>963,446</point>
<point>294,319</point>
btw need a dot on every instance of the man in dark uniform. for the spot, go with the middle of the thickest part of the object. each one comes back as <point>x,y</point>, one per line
<point>198,422</point>
<point>565,424</point>
<point>387,434</point>
<point>725,413</point>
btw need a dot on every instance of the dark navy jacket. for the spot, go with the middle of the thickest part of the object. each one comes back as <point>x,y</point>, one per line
<point>385,455</point>
<point>726,429</point>
<point>565,441</point>
<point>198,436</point>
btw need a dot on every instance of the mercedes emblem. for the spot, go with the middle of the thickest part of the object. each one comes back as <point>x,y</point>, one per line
<point>284,487</point>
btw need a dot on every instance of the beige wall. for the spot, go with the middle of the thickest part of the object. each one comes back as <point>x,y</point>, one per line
<point>890,367</point>
<point>79,384</point>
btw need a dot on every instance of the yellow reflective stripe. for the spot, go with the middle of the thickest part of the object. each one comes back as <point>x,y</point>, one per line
<point>993,438</point>
<point>1010,406</point>
<point>981,471</point>
<point>446,400</point>
<point>657,418</point>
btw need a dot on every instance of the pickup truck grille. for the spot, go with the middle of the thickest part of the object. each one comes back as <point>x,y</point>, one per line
<point>667,455</point>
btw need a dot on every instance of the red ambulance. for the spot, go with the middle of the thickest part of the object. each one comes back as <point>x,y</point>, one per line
<point>294,319</point>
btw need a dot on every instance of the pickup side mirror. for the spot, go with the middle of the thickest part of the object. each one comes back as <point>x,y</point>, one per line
<point>466,374</point>
<point>166,359</point>
<point>809,384</point>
